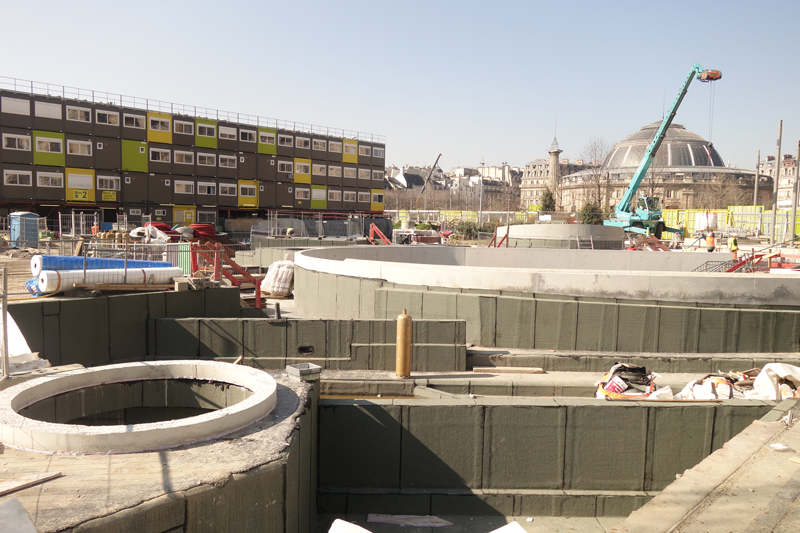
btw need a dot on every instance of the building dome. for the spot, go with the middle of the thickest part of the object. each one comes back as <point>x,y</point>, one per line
<point>680,148</point>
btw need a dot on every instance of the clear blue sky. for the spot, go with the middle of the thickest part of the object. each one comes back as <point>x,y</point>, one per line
<point>472,80</point>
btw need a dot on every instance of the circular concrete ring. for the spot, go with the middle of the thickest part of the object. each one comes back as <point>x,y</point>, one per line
<point>24,433</point>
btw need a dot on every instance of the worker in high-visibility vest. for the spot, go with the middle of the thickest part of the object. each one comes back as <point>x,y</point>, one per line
<point>710,241</point>
<point>733,246</point>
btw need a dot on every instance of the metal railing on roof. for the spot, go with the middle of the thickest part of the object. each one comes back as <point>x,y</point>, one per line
<point>147,104</point>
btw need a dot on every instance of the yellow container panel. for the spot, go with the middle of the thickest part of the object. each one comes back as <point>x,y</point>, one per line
<point>80,185</point>
<point>376,197</point>
<point>184,214</point>
<point>350,152</point>
<point>302,170</point>
<point>159,127</point>
<point>248,194</point>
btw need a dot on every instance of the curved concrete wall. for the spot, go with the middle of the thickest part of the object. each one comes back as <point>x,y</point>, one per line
<point>592,310</point>
<point>562,231</point>
<point>581,273</point>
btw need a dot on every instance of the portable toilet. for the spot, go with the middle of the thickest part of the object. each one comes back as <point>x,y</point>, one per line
<point>24,228</point>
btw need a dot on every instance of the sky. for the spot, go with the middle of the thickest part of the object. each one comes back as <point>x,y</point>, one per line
<point>475,81</point>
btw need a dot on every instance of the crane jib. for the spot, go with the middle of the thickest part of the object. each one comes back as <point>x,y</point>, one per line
<point>622,216</point>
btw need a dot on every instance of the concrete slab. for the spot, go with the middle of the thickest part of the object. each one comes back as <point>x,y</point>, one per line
<point>76,345</point>
<point>378,458</point>
<point>556,323</point>
<point>442,446</point>
<point>438,305</point>
<point>516,321</point>
<point>177,338</point>
<point>127,326</point>
<point>534,429</point>
<point>480,313</point>
<point>222,302</point>
<point>220,337</point>
<point>598,437</point>
<point>185,304</point>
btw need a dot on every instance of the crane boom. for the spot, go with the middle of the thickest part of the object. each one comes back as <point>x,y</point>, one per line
<point>651,212</point>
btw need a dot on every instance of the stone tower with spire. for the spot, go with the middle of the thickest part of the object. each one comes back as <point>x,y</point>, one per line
<point>555,169</point>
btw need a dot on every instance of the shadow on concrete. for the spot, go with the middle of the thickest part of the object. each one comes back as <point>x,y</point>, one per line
<point>392,460</point>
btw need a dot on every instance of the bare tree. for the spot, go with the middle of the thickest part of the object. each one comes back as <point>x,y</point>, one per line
<point>596,179</point>
<point>655,183</point>
<point>719,192</point>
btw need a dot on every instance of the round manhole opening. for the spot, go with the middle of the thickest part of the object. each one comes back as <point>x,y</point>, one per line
<point>136,402</point>
<point>134,406</point>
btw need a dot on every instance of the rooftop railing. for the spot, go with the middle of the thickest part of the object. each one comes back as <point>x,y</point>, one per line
<point>147,104</point>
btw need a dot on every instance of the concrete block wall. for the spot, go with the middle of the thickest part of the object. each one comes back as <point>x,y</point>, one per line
<point>578,457</point>
<point>279,496</point>
<point>110,329</point>
<point>541,321</point>
<point>438,345</point>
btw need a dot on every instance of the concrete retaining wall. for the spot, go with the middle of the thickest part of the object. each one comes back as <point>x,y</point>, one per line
<point>541,321</point>
<point>570,236</point>
<point>562,456</point>
<point>439,345</point>
<point>278,496</point>
<point>579,273</point>
<point>110,329</point>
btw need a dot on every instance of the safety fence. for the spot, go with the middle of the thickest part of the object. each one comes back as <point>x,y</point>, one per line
<point>318,224</point>
<point>440,216</point>
<point>752,221</point>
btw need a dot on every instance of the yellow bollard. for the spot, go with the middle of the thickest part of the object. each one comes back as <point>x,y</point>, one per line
<point>403,354</point>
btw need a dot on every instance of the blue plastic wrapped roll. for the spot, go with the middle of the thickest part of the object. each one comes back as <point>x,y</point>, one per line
<point>65,262</point>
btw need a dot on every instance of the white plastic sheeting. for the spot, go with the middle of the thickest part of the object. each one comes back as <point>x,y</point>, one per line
<point>279,280</point>
<point>62,280</point>
<point>17,345</point>
<point>767,385</point>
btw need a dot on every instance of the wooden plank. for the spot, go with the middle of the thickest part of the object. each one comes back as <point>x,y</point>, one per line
<point>19,483</point>
<point>508,369</point>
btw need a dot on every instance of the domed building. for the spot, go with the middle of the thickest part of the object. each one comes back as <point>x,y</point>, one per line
<point>687,173</point>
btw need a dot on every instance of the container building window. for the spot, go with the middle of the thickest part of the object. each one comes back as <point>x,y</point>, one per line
<point>49,145</point>
<point>184,158</point>
<point>227,161</point>
<point>206,130</point>
<point>227,133</point>
<point>133,121</point>
<point>207,160</point>
<point>17,177</point>
<point>110,118</point>
<point>16,142</point>
<point>186,128</point>
<point>79,114</point>
<point>108,183</point>
<point>157,154</point>
<point>79,147</point>
<point>159,124</point>
<point>184,187</point>
<point>50,179</point>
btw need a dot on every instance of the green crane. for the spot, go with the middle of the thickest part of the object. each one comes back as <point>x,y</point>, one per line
<point>647,217</point>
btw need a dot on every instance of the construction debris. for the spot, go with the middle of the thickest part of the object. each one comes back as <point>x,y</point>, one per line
<point>408,520</point>
<point>23,482</point>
